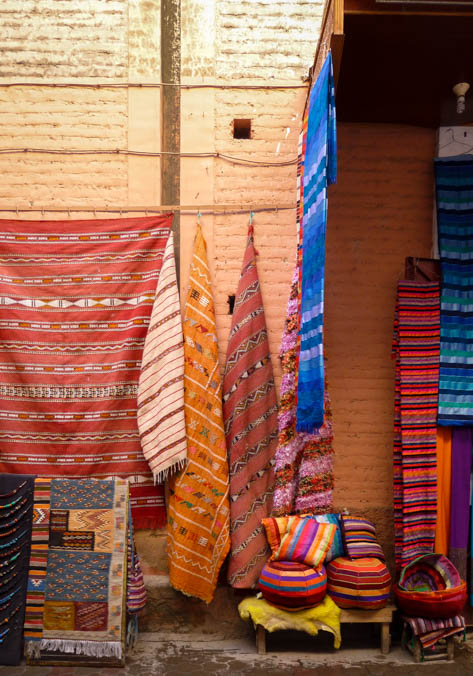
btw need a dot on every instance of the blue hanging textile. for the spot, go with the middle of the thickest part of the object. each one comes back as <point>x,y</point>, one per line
<point>454,188</point>
<point>319,170</point>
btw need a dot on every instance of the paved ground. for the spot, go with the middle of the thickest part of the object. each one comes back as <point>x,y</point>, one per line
<point>288,655</point>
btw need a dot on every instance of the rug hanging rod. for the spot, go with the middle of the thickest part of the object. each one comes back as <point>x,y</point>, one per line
<point>207,208</point>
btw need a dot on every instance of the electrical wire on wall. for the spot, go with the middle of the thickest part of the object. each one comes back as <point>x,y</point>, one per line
<point>144,153</point>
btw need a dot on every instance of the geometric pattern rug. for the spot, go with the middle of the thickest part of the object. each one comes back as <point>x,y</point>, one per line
<point>76,585</point>
<point>76,302</point>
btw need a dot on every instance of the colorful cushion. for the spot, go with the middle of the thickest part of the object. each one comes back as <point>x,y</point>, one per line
<point>359,537</point>
<point>337,549</point>
<point>429,572</point>
<point>290,585</point>
<point>362,583</point>
<point>305,541</point>
<point>431,586</point>
<point>276,527</point>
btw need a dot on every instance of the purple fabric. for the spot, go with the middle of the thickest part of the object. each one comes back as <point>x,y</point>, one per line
<point>460,501</point>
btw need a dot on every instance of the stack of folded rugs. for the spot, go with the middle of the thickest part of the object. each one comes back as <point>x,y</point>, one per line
<point>295,578</point>
<point>431,595</point>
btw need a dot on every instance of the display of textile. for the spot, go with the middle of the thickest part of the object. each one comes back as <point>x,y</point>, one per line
<point>454,191</point>
<point>199,510</point>
<point>76,301</point>
<point>251,428</point>
<point>429,631</point>
<point>462,448</point>
<point>161,418</point>
<point>444,477</point>
<point>430,586</point>
<point>76,595</point>
<point>148,505</point>
<point>16,511</point>
<point>135,585</point>
<point>416,350</point>
<point>303,469</point>
<point>320,170</point>
<point>325,617</point>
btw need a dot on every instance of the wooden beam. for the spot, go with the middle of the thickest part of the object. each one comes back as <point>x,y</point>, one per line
<point>171,113</point>
<point>373,7</point>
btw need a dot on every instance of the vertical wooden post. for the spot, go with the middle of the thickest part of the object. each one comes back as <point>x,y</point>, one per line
<point>260,639</point>
<point>171,112</point>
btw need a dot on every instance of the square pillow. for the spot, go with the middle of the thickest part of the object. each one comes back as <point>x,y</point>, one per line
<point>276,527</point>
<point>337,549</point>
<point>305,541</point>
<point>359,536</point>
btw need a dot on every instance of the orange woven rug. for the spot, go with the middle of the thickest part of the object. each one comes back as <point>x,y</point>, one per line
<point>198,519</point>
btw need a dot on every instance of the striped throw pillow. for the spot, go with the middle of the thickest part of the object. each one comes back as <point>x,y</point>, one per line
<point>305,541</point>
<point>293,586</point>
<point>276,527</point>
<point>337,549</point>
<point>361,583</point>
<point>360,540</point>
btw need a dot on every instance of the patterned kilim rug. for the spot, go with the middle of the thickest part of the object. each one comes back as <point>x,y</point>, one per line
<point>251,428</point>
<point>303,471</point>
<point>416,349</point>
<point>320,170</point>
<point>199,510</point>
<point>76,299</point>
<point>76,587</point>
<point>16,511</point>
<point>454,187</point>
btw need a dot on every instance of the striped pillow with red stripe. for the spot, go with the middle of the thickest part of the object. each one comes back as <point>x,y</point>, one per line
<point>362,583</point>
<point>305,541</point>
<point>290,585</point>
<point>359,536</point>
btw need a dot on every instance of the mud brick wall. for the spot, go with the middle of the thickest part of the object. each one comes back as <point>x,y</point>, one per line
<point>380,211</point>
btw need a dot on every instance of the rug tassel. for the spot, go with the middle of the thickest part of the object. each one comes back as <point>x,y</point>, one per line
<point>89,648</point>
<point>32,650</point>
<point>161,477</point>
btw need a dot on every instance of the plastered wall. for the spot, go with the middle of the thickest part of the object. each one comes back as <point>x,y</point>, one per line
<point>68,43</point>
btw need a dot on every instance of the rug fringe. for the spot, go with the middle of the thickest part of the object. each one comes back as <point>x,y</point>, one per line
<point>162,476</point>
<point>89,648</point>
<point>32,650</point>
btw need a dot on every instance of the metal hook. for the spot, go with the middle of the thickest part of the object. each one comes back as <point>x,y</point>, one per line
<point>17,214</point>
<point>121,214</point>
<point>198,217</point>
<point>42,213</point>
<point>69,213</point>
<point>252,215</point>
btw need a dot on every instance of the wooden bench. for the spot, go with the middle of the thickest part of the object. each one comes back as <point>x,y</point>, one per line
<point>382,617</point>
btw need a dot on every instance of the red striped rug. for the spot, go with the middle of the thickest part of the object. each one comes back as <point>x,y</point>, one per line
<point>75,304</point>
<point>416,347</point>
<point>251,427</point>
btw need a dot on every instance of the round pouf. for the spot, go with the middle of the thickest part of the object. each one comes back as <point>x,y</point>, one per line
<point>290,585</point>
<point>361,583</point>
<point>431,586</point>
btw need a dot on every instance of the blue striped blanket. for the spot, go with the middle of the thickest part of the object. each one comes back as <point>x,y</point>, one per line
<point>454,188</point>
<point>319,170</point>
